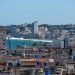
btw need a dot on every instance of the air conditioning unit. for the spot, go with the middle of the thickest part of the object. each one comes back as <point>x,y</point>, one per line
<point>40,70</point>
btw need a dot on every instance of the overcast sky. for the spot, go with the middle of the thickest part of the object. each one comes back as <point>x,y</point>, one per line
<point>43,11</point>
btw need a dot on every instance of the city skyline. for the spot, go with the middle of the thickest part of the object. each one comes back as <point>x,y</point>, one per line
<point>43,11</point>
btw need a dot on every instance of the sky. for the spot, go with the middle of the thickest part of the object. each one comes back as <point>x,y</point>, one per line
<point>43,11</point>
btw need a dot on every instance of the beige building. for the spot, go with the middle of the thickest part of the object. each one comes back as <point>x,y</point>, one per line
<point>2,37</point>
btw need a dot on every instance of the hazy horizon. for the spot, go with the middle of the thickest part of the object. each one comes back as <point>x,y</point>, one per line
<point>52,12</point>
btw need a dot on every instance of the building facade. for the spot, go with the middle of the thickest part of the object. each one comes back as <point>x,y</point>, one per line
<point>2,37</point>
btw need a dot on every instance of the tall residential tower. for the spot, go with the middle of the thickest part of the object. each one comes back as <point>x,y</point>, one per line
<point>35,27</point>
